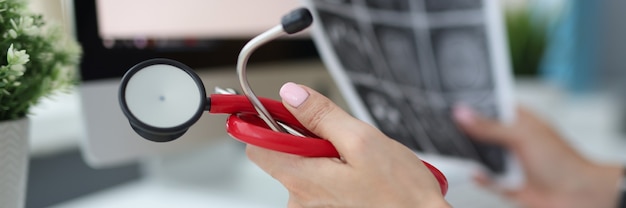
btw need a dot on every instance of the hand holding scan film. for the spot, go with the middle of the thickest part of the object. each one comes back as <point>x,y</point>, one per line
<point>555,174</point>
<point>406,64</point>
<point>162,98</point>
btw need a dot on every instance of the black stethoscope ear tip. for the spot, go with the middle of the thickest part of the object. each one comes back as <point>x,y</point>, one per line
<point>296,20</point>
<point>158,136</point>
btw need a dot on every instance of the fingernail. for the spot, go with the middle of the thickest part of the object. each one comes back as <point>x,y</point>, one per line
<point>293,94</point>
<point>464,114</point>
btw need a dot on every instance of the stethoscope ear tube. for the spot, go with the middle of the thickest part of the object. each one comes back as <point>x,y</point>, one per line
<point>235,104</point>
<point>252,130</point>
<point>245,125</point>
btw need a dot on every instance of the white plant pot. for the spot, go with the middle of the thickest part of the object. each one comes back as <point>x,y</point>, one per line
<point>14,153</point>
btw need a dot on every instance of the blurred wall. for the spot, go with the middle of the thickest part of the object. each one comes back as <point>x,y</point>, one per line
<point>54,11</point>
<point>613,44</point>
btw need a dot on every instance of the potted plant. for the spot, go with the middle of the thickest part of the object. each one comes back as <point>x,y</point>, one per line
<point>36,60</point>
<point>527,40</point>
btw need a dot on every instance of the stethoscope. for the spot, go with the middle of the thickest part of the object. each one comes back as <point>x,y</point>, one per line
<point>162,98</point>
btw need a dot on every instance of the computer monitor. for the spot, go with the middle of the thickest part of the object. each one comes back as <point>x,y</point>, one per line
<point>204,34</point>
<point>116,34</point>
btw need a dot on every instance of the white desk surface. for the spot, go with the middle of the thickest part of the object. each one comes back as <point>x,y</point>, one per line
<point>226,179</point>
<point>590,122</point>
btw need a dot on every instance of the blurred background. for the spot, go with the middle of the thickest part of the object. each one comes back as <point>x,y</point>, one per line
<point>567,58</point>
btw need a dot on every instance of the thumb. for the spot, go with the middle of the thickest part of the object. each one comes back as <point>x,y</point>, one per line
<point>322,117</point>
<point>481,128</point>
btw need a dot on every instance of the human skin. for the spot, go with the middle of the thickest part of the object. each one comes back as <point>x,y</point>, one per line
<point>555,174</point>
<point>374,170</point>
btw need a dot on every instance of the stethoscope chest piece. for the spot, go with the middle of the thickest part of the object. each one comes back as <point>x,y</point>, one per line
<point>162,98</point>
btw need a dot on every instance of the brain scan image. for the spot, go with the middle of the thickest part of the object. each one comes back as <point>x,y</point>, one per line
<point>451,5</point>
<point>388,115</point>
<point>336,1</point>
<point>462,58</point>
<point>399,48</point>
<point>350,44</point>
<point>397,5</point>
<point>409,61</point>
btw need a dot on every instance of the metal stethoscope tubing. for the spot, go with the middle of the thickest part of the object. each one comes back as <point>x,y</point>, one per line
<point>291,23</point>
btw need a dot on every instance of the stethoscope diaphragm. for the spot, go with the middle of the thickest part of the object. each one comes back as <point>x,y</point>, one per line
<point>162,98</point>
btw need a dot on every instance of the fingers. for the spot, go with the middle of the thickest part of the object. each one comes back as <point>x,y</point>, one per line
<point>485,182</point>
<point>325,119</point>
<point>322,117</point>
<point>272,162</point>
<point>483,129</point>
<point>293,203</point>
<point>287,168</point>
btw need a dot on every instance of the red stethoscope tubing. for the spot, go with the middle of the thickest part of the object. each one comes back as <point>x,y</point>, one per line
<point>235,104</point>
<point>244,125</point>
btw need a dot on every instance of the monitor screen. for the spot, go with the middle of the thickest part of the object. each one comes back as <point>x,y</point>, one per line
<point>116,34</point>
<point>181,19</point>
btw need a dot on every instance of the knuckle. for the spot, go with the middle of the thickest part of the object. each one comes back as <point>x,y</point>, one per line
<point>292,203</point>
<point>358,146</point>
<point>252,153</point>
<point>288,176</point>
<point>360,141</point>
<point>316,115</point>
<point>301,200</point>
<point>284,178</point>
<point>292,185</point>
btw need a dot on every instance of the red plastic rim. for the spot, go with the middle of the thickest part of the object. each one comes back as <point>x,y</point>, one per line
<point>441,178</point>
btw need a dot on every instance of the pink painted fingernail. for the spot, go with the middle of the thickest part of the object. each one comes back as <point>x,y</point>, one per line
<point>464,114</point>
<point>293,94</point>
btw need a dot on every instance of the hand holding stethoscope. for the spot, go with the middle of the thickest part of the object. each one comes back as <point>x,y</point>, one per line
<point>162,98</point>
